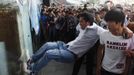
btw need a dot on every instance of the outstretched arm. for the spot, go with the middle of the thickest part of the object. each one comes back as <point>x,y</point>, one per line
<point>127,33</point>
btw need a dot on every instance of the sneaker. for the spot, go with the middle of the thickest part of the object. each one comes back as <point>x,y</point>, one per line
<point>29,62</point>
<point>27,71</point>
<point>33,73</point>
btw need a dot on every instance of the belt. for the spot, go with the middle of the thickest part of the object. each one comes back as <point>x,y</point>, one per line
<point>72,52</point>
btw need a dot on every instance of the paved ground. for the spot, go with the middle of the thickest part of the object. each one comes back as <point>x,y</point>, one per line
<point>56,68</point>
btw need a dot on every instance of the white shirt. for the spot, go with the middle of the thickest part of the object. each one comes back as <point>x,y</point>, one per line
<point>81,32</point>
<point>114,58</point>
<point>85,40</point>
<point>126,21</point>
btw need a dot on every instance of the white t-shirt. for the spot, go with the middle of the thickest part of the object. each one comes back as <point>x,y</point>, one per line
<point>114,58</point>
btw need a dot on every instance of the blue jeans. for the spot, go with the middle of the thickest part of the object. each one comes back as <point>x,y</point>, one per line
<point>51,51</point>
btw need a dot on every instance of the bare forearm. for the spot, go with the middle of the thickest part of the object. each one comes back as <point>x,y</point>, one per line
<point>99,59</point>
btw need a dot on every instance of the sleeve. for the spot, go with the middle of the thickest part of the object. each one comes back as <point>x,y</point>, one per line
<point>78,27</point>
<point>100,30</point>
<point>126,22</point>
<point>102,39</point>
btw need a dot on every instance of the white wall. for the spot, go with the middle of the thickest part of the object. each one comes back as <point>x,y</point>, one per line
<point>6,1</point>
<point>3,60</point>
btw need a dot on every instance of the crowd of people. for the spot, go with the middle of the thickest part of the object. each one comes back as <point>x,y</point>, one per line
<point>69,33</point>
<point>65,19</point>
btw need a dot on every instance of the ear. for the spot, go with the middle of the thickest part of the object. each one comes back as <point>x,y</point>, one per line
<point>88,23</point>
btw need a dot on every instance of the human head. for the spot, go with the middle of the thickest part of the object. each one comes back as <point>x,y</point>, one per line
<point>115,19</point>
<point>103,12</point>
<point>109,4</point>
<point>97,17</point>
<point>115,15</point>
<point>86,19</point>
<point>119,6</point>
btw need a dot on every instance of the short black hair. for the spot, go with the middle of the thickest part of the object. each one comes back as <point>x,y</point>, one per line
<point>87,17</point>
<point>115,15</point>
<point>104,9</point>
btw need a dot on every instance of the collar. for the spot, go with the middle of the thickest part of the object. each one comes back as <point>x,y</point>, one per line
<point>92,26</point>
